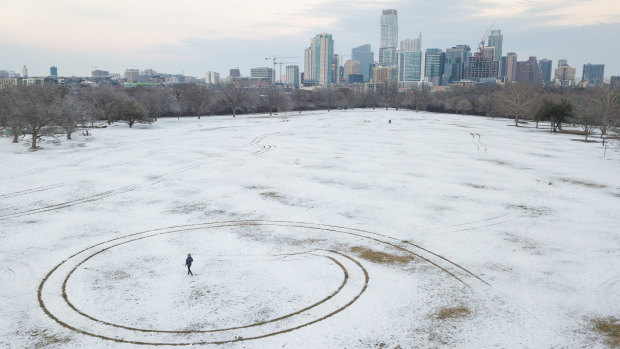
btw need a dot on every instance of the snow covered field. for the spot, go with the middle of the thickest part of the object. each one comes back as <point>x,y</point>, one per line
<point>319,230</point>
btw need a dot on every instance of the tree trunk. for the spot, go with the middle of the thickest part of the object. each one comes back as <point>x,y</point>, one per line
<point>198,116</point>
<point>15,136</point>
<point>536,123</point>
<point>34,141</point>
<point>516,119</point>
<point>131,123</point>
<point>68,135</point>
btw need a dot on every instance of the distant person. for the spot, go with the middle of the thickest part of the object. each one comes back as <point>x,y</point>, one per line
<point>389,121</point>
<point>188,263</point>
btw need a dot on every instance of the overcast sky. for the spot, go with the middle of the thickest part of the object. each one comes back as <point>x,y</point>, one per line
<point>195,36</point>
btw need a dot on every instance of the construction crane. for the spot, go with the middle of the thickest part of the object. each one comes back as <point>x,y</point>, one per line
<point>484,38</point>
<point>274,60</point>
<point>280,64</point>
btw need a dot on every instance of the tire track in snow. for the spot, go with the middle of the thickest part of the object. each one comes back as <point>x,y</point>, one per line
<point>371,236</point>
<point>129,188</point>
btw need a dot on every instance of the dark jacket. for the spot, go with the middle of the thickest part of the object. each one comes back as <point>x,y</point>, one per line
<point>189,261</point>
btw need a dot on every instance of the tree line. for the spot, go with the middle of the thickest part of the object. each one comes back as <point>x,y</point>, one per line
<point>52,110</point>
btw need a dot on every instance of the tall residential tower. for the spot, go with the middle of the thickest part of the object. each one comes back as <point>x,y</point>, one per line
<point>389,38</point>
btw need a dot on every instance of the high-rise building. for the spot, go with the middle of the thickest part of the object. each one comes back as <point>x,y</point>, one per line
<point>433,66</point>
<point>336,69</point>
<point>412,45</point>
<point>529,71</point>
<point>319,60</point>
<point>262,74</point>
<point>593,74</point>
<point>511,67</point>
<point>53,72</point>
<point>24,72</point>
<point>309,64</point>
<point>234,73</point>
<point>614,81</point>
<point>564,73</point>
<point>389,37</point>
<point>351,67</point>
<point>292,75</point>
<point>366,57</point>
<point>410,66</point>
<point>546,65</point>
<point>480,66</point>
<point>496,40</point>
<point>384,75</point>
<point>212,78</point>
<point>502,66</point>
<point>132,75</point>
<point>454,65</point>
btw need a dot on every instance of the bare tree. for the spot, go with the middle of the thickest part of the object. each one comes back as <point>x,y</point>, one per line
<point>300,100</point>
<point>194,98</point>
<point>131,112</point>
<point>69,109</point>
<point>103,100</point>
<point>371,99</point>
<point>463,105</point>
<point>589,112</point>
<point>234,94</point>
<point>517,98</point>
<point>420,97</point>
<point>609,100</point>
<point>9,113</point>
<point>271,99</point>
<point>156,101</point>
<point>35,107</point>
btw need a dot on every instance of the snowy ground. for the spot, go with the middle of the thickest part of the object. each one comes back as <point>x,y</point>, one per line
<point>320,230</point>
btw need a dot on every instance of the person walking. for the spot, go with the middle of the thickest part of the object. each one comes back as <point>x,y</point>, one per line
<point>188,263</point>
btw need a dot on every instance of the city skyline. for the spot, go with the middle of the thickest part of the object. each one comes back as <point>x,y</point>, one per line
<point>583,33</point>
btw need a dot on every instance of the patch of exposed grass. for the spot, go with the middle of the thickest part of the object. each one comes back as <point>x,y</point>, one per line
<point>610,328</point>
<point>452,313</point>
<point>533,211</point>
<point>272,194</point>
<point>45,339</point>
<point>380,257</point>
<point>584,183</point>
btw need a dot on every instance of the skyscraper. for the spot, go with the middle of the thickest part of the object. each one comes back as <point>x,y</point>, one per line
<point>292,75</point>
<point>562,62</point>
<point>545,69</point>
<point>409,66</point>
<point>454,65</point>
<point>366,57</point>
<point>496,40</point>
<point>511,67</point>
<point>389,37</point>
<point>309,65</point>
<point>24,72</point>
<point>318,60</point>
<point>412,45</point>
<point>336,69</point>
<point>53,72</point>
<point>529,71</point>
<point>593,74</point>
<point>434,64</point>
